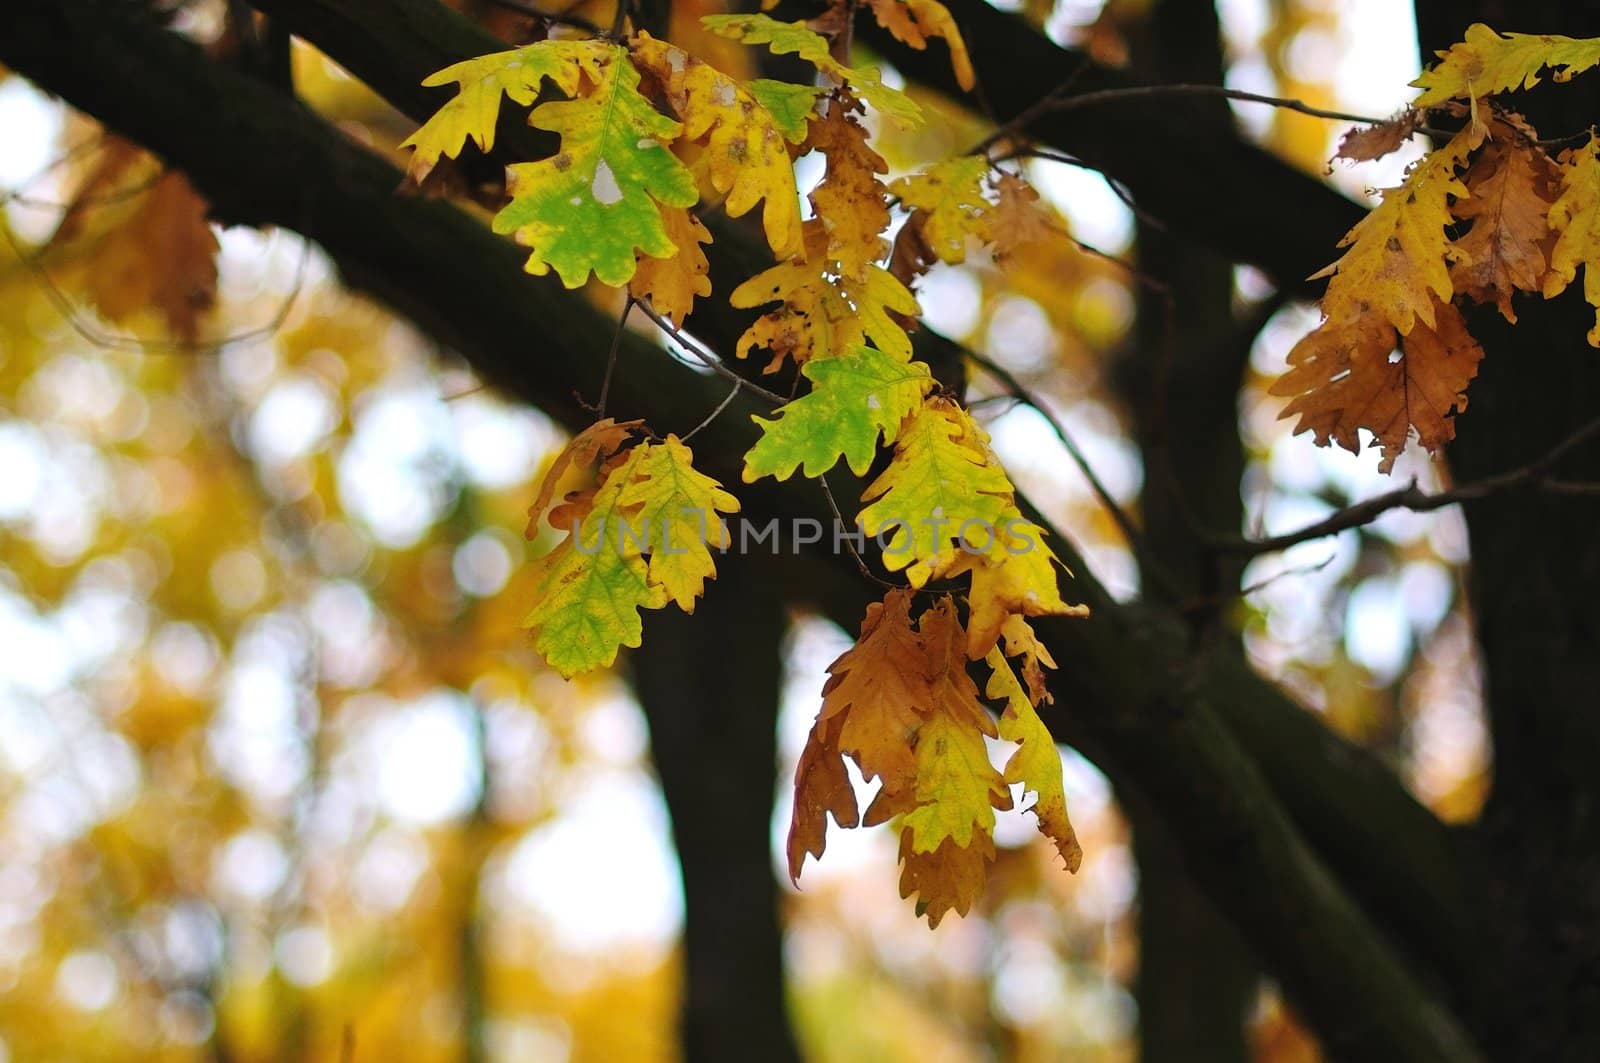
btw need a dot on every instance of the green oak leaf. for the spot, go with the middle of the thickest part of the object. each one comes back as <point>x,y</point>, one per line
<point>854,397</point>
<point>593,205</point>
<point>789,104</point>
<point>590,588</point>
<point>796,38</point>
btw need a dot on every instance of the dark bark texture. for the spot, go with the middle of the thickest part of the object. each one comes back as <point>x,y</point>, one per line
<point>709,684</point>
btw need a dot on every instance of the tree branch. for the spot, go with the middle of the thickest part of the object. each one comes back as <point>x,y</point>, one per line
<point>1535,475</point>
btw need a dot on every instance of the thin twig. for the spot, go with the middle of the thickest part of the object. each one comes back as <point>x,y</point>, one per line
<point>105,341</point>
<point>1533,475</point>
<point>1118,189</point>
<point>1062,104</point>
<point>611,356</point>
<point>738,385</point>
<point>850,544</point>
<point>1020,391</point>
<point>706,358</point>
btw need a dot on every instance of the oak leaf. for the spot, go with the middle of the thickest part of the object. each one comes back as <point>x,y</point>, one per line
<point>590,588</point>
<point>1487,62</point>
<point>912,22</point>
<point>1380,139</point>
<point>1511,186</point>
<point>856,398</point>
<point>822,314</point>
<point>1019,218</point>
<point>745,155</point>
<point>590,207</point>
<point>790,105</point>
<point>943,484</point>
<point>950,195</point>
<point>796,38</point>
<point>880,692</point>
<point>949,878</point>
<point>1014,575</point>
<point>851,202</point>
<point>1036,764</point>
<point>672,283</point>
<point>576,466</point>
<point>1397,258</point>
<point>1342,379</point>
<point>678,509</point>
<point>957,789</point>
<point>163,256</point>
<point>821,786</point>
<point>475,109</point>
<point>1575,217</point>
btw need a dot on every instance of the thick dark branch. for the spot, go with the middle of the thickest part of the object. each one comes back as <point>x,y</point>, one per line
<point>1141,702</point>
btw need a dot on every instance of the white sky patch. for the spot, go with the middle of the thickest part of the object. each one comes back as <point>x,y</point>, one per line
<point>394,472</point>
<point>427,759</point>
<point>951,300</point>
<point>1097,214</point>
<point>602,873</point>
<point>292,420</point>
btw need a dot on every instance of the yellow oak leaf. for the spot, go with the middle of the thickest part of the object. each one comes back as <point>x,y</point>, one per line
<point>1511,186</point>
<point>823,315</point>
<point>671,284</point>
<point>880,693</point>
<point>821,786</point>
<point>476,107</point>
<point>851,202</point>
<point>949,878</point>
<point>575,468</point>
<point>912,22</point>
<point>1575,216</point>
<point>1020,641</point>
<point>677,510</point>
<point>943,485</point>
<point>1487,62</point>
<point>957,789</point>
<point>745,151</point>
<point>1342,379</point>
<point>951,196</point>
<point>1397,258</point>
<point>1036,764</point>
<point>955,786</point>
<point>1013,574</point>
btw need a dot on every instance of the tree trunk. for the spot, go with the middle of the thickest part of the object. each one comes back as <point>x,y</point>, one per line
<point>709,684</point>
<point>1180,384</point>
<point>1535,572</point>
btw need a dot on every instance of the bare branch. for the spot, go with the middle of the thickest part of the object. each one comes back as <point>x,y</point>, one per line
<point>1534,475</point>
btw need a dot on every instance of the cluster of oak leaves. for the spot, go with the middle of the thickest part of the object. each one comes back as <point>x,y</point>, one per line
<point>1487,214</point>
